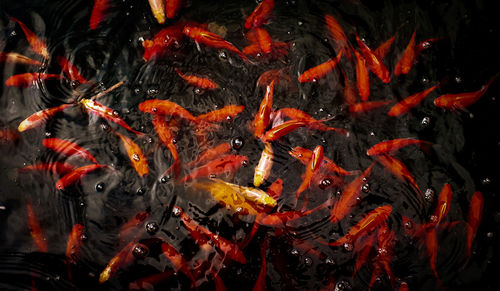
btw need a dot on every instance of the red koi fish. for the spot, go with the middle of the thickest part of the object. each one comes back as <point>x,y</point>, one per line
<point>30,79</point>
<point>173,7</point>
<point>349,197</point>
<point>296,114</point>
<point>362,77</point>
<point>262,118</point>
<point>260,284</point>
<point>226,164</point>
<point>431,243</point>
<point>135,154</point>
<point>70,70</point>
<point>16,58</point>
<point>320,71</point>
<point>131,227</point>
<point>106,113</point>
<point>474,218</point>
<point>226,113</point>
<point>36,44</point>
<point>75,175</point>
<point>393,145</point>
<point>409,102</point>
<point>407,58</point>
<point>368,106</point>
<point>166,137</point>
<point>38,118</point>
<point>275,189</point>
<point>211,39</point>
<point>350,95</point>
<point>54,168</point>
<point>272,75</point>
<point>8,136</point>
<point>372,220</point>
<point>338,35</point>
<point>35,229</point>
<point>311,169</point>
<point>158,10</point>
<point>286,127</point>
<point>442,207</point>
<point>399,170</point>
<point>210,154</point>
<point>376,65</point>
<point>68,148</point>
<point>462,100</point>
<point>74,243</point>
<point>263,169</point>
<point>386,240</point>
<point>384,48</point>
<point>363,252</point>
<point>304,155</point>
<point>120,260</point>
<point>203,83</point>
<point>260,14</point>
<point>225,246</point>
<point>278,49</point>
<point>98,13</point>
<point>264,40</point>
<point>165,107</point>
<point>177,260</point>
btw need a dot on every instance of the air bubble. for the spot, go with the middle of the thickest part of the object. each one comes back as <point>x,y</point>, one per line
<point>325,183</point>
<point>425,80</point>
<point>342,286</point>
<point>229,118</point>
<point>348,247</point>
<point>308,261</point>
<point>197,91</point>
<point>244,163</point>
<point>299,23</point>
<point>212,176</point>
<point>176,211</point>
<point>486,181</point>
<point>74,84</point>
<point>489,234</point>
<point>153,91</point>
<point>425,121</point>
<point>99,187</point>
<point>163,180</point>
<point>104,126</point>
<point>140,191</point>
<point>237,143</point>
<point>223,55</point>
<point>116,113</point>
<point>329,261</point>
<point>48,134</point>
<point>408,225</point>
<point>137,90</point>
<point>140,251</point>
<point>365,188</point>
<point>372,133</point>
<point>294,252</point>
<point>152,227</point>
<point>458,79</point>
<point>429,195</point>
<point>136,157</point>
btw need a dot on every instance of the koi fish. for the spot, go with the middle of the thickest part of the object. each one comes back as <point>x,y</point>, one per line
<point>68,148</point>
<point>106,113</point>
<point>260,284</point>
<point>304,155</point>
<point>264,40</point>
<point>393,145</point>
<point>98,13</point>
<point>226,113</point>
<point>173,7</point>
<point>431,243</point>
<point>407,58</point>
<point>461,100</point>
<point>75,175</point>
<point>409,102</point>
<point>120,260</point>
<point>165,107</point>
<point>383,49</point>
<point>311,169</point>
<point>36,44</point>
<point>74,243</point>
<point>130,230</point>
<point>474,218</point>
<point>349,197</point>
<point>177,260</point>
<point>338,35</point>
<point>296,114</point>
<point>211,39</point>
<point>286,127</point>
<point>254,195</point>
<point>226,164</point>
<point>18,59</point>
<point>158,9</point>
<point>362,77</point>
<point>275,189</point>
<point>203,83</point>
<point>54,167</point>
<point>135,155</point>
<point>35,229</point>
<point>166,137</point>
<point>320,71</point>
<point>362,253</point>
<point>70,70</point>
<point>38,118</point>
<point>210,154</point>
<point>262,118</point>
<point>368,106</point>
<point>376,65</point>
<point>272,75</point>
<point>386,239</point>
<point>399,170</point>
<point>30,79</point>
<point>350,95</point>
<point>260,14</point>
<point>263,168</point>
<point>166,40</point>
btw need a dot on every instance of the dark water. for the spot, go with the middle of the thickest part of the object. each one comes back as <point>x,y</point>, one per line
<point>465,151</point>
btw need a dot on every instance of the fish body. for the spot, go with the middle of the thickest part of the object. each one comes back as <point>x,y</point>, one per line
<point>368,106</point>
<point>165,107</point>
<point>98,13</point>
<point>226,113</point>
<point>409,102</point>
<point>320,71</point>
<point>462,100</point>
<point>260,14</point>
<point>30,79</point>
<point>35,229</point>
<point>263,168</point>
<point>407,59</point>
<point>311,169</point>
<point>74,243</point>
<point>38,118</point>
<point>262,118</point>
<point>362,77</point>
<point>376,65</point>
<point>474,218</point>
<point>75,175</point>
<point>393,145</point>
<point>36,44</point>
<point>229,163</point>
<point>135,155</point>
<point>70,70</point>
<point>210,39</point>
<point>166,137</point>
<point>18,59</point>
<point>68,148</point>
<point>200,82</point>
<point>158,10</point>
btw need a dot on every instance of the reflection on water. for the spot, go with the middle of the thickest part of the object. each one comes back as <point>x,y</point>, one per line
<point>179,177</point>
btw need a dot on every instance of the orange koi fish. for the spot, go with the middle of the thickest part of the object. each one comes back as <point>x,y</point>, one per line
<point>68,148</point>
<point>409,102</point>
<point>226,164</point>
<point>320,71</point>
<point>262,118</point>
<point>286,127</point>
<point>120,260</point>
<point>37,45</point>
<point>296,114</point>
<point>226,113</point>
<point>18,59</point>
<point>135,155</point>
<point>393,145</point>
<point>254,195</point>
<point>272,75</point>
<point>474,218</point>
<point>338,35</point>
<point>376,65</point>
<point>106,113</point>
<point>54,168</point>
<point>372,220</point>
<point>177,260</point>
<point>383,49</point>
<point>35,229</point>
<point>203,83</point>
<point>74,243</point>
<point>30,79</point>
<point>461,100</point>
<point>442,207</point>
<point>362,77</point>
<point>98,13</point>
<point>173,7</point>
<point>211,39</point>
<point>363,252</point>
<point>349,197</point>
<point>399,170</point>
<point>228,248</point>
<point>70,70</point>
<point>275,189</point>
<point>304,155</point>
<point>260,14</point>
<point>264,40</point>
<point>431,243</point>
<point>38,118</point>
<point>407,58</point>
<point>350,95</point>
<point>75,175</point>
<point>165,107</point>
<point>210,154</point>
<point>166,137</point>
<point>368,106</point>
<point>263,168</point>
<point>311,169</point>
<point>158,9</point>
<point>386,240</point>
<point>134,222</point>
